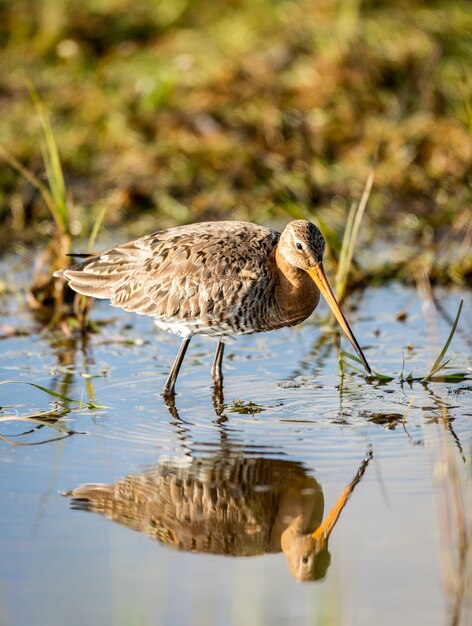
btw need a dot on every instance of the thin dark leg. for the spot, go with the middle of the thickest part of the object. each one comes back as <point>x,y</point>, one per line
<point>217,373</point>
<point>219,403</point>
<point>169,387</point>
<point>216,370</point>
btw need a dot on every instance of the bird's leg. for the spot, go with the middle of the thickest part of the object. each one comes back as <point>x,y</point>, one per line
<point>219,403</point>
<point>169,387</point>
<point>217,374</point>
<point>216,370</point>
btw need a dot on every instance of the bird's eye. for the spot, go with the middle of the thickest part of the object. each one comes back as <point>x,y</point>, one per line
<point>304,560</point>
<point>299,246</point>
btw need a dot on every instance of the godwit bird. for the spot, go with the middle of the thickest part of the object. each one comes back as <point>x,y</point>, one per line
<point>219,279</point>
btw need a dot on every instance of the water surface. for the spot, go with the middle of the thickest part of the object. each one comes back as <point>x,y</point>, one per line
<point>289,438</point>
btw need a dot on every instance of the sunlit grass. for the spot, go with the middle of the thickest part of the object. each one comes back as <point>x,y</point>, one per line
<point>32,179</point>
<point>44,298</point>
<point>96,227</point>
<point>50,419</point>
<point>54,193</point>
<point>59,206</point>
<point>351,232</point>
<point>355,359</point>
<point>55,394</point>
<point>194,113</point>
<point>437,366</point>
<point>47,295</point>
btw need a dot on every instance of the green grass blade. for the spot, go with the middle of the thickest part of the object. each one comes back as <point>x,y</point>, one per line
<point>375,374</point>
<point>345,244</point>
<point>55,197</point>
<point>53,165</point>
<point>340,279</point>
<point>456,377</point>
<point>350,237</point>
<point>438,365</point>
<point>89,405</point>
<point>96,227</point>
<point>30,177</point>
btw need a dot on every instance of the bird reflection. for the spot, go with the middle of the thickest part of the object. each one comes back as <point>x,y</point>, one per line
<point>231,505</point>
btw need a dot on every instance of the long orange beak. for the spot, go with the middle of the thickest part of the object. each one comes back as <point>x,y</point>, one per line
<point>318,275</point>
<point>323,532</point>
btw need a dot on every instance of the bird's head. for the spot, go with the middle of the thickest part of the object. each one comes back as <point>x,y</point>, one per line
<point>302,245</point>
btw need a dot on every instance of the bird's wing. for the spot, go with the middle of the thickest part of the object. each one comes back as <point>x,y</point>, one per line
<point>186,270</point>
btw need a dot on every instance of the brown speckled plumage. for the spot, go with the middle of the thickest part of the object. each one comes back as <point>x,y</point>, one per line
<point>218,279</point>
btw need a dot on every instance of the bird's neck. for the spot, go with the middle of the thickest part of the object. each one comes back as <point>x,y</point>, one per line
<point>297,294</point>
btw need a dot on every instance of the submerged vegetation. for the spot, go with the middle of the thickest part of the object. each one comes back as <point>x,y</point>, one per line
<point>170,112</point>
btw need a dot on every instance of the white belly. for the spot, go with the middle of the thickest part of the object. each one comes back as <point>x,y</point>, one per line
<point>221,332</point>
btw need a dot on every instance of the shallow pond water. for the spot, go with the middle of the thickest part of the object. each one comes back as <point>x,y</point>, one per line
<point>200,509</point>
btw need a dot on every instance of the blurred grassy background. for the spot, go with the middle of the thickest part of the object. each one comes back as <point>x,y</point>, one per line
<point>172,111</point>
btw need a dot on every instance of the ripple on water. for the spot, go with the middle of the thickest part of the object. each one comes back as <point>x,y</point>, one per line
<point>284,400</point>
